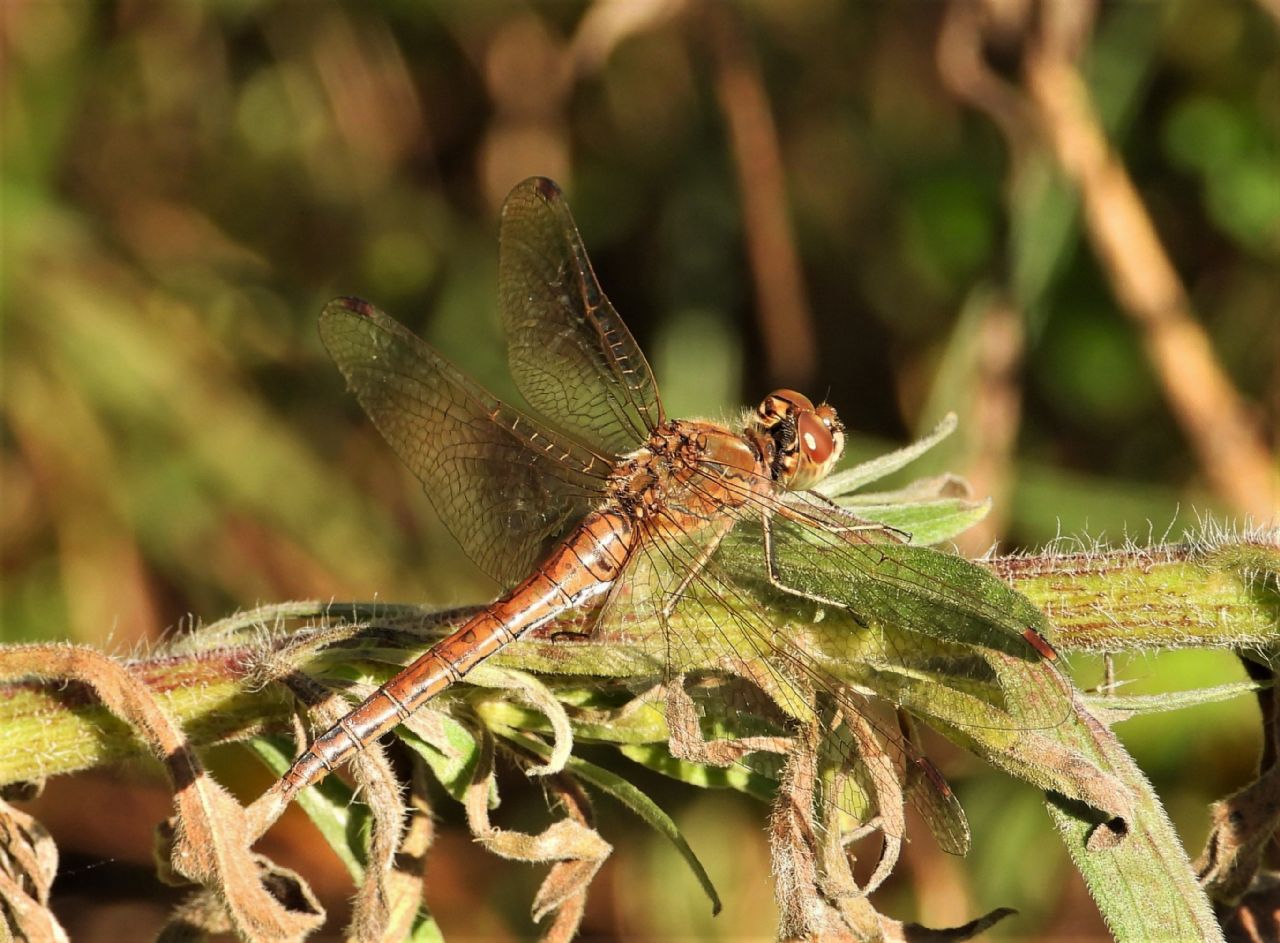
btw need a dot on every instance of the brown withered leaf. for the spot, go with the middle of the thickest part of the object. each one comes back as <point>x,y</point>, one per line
<point>207,840</point>
<point>687,742</point>
<point>1243,828</point>
<point>564,892</point>
<point>389,898</point>
<point>887,791</point>
<point>1255,917</point>
<point>806,912</point>
<point>28,864</point>
<point>567,884</point>
<point>406,882</point>
<point>1244,824</point>
<point>817,898</point>
<point>571,845</point>
<point>371,915</point>
<point>521,685</point>
<point>199,916</point>
<point>205,912</point>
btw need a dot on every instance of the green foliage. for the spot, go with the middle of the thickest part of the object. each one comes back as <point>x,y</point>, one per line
<point>184,185</point>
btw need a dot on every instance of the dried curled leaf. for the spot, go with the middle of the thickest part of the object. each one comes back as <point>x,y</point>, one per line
<point>571,845</point>
<point>1244,825</point>
<point>887,793</point>
<point>407,914</point>
<point>688,743</point>
<point>381,892</point>
<point>1255,917</point>
<point>207,841</point>
<point>538,696</point>
<point>28,864</point>
<point>808,910</point>
<point>632,798</point>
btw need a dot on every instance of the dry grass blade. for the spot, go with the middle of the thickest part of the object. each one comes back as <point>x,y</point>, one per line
<point>1212,413</point>
<point>209,832</point>
<point>785,319</point>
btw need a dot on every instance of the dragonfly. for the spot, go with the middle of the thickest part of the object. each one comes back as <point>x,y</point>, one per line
<point>608,506</point>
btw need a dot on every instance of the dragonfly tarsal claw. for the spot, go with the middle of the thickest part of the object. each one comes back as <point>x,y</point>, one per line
<point>572,635</point>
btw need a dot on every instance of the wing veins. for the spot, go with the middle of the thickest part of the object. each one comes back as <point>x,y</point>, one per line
<point>502,482</point>
<point>744,612</point>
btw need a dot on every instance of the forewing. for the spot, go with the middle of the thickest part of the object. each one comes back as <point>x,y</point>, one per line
<point>708,618</point>
<point>571,356</point>
<point>502,484</point>
<point>919,613</point>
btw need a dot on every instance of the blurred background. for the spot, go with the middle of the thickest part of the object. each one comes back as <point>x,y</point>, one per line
<point>907,209</point>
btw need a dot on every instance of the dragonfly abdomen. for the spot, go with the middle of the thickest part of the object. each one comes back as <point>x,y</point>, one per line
<point>581,568</point>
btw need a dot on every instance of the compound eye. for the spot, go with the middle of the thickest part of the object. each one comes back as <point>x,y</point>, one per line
<point>778,406</point>
<point>815,438</point>
<point>786,401</point>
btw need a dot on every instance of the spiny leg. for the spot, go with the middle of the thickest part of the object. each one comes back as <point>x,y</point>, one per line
<point>696,565</point>
<point>671,598</point>
<point>771,563</point>
<point>897,533</point>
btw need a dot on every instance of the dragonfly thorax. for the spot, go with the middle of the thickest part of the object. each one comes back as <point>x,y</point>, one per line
<point>687,466</point>
<point>803,441</point>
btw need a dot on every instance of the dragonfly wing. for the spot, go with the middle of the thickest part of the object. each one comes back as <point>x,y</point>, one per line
<point>921,615</point>
<point>503,484</point>
<point>683,597</point>
<point>571,356</point>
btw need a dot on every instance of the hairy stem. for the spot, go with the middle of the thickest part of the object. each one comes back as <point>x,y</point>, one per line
<point>1214,593</point>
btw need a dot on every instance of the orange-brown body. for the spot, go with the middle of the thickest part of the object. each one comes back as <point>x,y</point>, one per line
<point>683,480</point>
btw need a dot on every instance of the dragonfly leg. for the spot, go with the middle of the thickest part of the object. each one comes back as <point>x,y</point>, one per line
<point>903,536</point>
<point>695,566</point>
<point>664,601</point>
<point>897,533</point>
<point>585,631</point>
<point>771,569</point>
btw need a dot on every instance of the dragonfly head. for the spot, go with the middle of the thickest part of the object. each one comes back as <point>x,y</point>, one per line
<point>806,440</point>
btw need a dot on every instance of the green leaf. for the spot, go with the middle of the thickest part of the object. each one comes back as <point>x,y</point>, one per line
<point>1142,883</point>
<point>850,480</point>
<point>927,522</point>
<point>1116,707</point>
<point>449,749</point>
<point>739,777</point>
